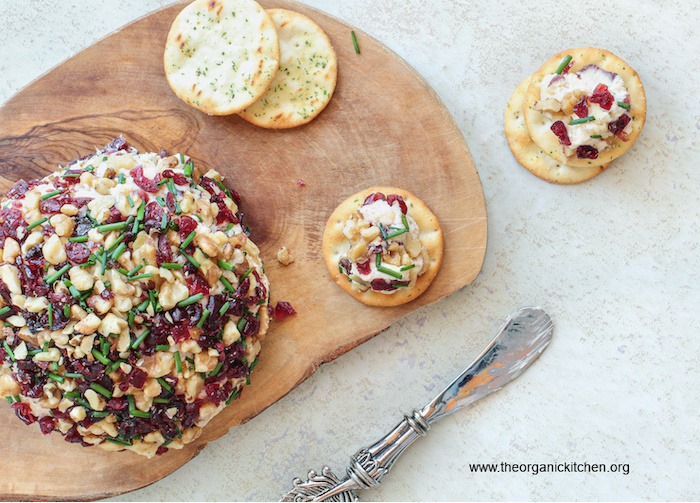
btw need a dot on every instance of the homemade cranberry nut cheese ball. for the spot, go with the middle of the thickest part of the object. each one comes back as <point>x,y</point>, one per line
<point>383,246</point>
<point>583,108</point>
<point>132,298</point>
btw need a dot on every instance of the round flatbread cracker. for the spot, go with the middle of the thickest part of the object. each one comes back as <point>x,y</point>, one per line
<point>306,80</point>
<point>221,55</point>
<point>335,246</point>
<point>529,155</point>
<point>538,124</point>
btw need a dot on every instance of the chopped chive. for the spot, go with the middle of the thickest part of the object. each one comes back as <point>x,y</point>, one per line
<point>140,339</point>
<point>83,402</point>
<point>121,178</point>
<point>130,318</point>
<point>216,369</point>
<point>563,64</point>
<point>596,136</point>
<point>9,351</point>
<point>227,284</point>
<point>134,411</point>
<point>405,222</point>
<point>112,227</point>
<point>163,221</point>
<point>71,175</point>
<point>254,364</point>
<point>233,396</point>
<point>182,158</point>
<point>397,233</point>
<point>162,182</point>
<point>161,201</point>
<point>101,390</point>
<point>141,211</point>
<point>100,413</point>
<point>354,42</point>
<point>224,308</point>
<point>624,105</point>
<point>115,366</point>
<point>116,243</point>
<point>72,394</point>
<point>229,227</point>
<point>9,399</point>
<point>55,276</point>
<point>143,306</point>
<point>135,270</point>
<point>378,259</point>
<point>130,201</point>
<point>382,231</point>
<point>225,265</point>
<point>103,260</point>
<point>171,186</point>
<point>246,274</point>
<point>191,260</point>
<point>164,383</point>
<point>162,347</point>
<point>407,267</point>
<point>118,251</point>
<point>141,276</point>
<point>188,169</point>
<point>161,400</point>
<point>54,366</point>
<point>50,316</point>
<point>241,324</point>
<point>105,347</point>
<point>188,240</point>
<point>118,441</point>
<point>37,223</point>
<point>178,362</point>
<point>582,120</point>
<point>74,375</point>
<point>66,311</point>
<point>78,239</point>
<point>89,167</point>
<point>102,358</point>
<point>4,310</point>
<point>390,272</point>
<point>49,195</point>
<point>192,299</point>
<point>203,318</point>
<point>171,265</point>
<point>135,228</point>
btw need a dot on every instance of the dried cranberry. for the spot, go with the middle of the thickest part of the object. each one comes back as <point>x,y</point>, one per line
<point>170,201</point>
<point>18,189</point>
<point>180,333</point>
<point>283,310</point>
<point>225,215</point>
<point>380,284</point>
<point>153,216</point>
<point>568,67</point>
<point>118,404</point>
<point>215,393</point>
<point>581,108</point>
<point>191,415</point>
<point>12,220</point>
<point>251,327</point>
<point>393,197</point>
<point>208,184</point>
<point>616,127</point>
<point>24,412</point>
<point>364,267</point>
<point>301,183</point>
<point>164,252</point>
<point>586,152</point>
<point>197,284</point>
<point>161,450</point>
<point>602,96</point>
<point>114,216</point>
<point>116,145</point>
<point>53,204</point>
<point>145,183</point>
<point>177,177</point>
<point>47,425</point>
<point>559,129</point>
<point>77,252</point>
<point>374,196</point>
<point>137,377</point>
<point>186,225</point>
<point>345,264</point>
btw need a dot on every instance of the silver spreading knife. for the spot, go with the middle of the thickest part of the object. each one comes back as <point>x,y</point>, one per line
<point>519,343</point>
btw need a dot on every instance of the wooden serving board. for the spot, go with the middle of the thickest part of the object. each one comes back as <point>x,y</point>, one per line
<point>384,126</point>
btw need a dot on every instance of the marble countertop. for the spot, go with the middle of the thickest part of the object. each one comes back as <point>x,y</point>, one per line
<point>615,261</point>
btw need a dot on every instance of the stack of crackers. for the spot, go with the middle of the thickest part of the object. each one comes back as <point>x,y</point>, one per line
<point>274,68</point>
<point>528,128</point>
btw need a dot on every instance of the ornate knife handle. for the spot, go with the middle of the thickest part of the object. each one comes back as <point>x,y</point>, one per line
<point>519,343</point>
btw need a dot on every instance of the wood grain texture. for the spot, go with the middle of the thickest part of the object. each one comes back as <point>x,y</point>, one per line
<point>384,126</point>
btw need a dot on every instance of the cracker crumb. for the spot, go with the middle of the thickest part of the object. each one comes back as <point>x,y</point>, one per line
<point>284,257</point>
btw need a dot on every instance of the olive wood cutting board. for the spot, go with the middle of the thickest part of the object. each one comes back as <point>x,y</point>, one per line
<point>384,126</point>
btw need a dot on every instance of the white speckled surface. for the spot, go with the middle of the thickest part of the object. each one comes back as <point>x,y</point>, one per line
<point>615,261</point>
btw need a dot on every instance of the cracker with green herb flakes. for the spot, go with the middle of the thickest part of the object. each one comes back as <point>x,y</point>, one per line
<point>383,246</point>
<point>221,55</point>
<point>306,80</point>
<point>529,155</point>
<point>585,107</point>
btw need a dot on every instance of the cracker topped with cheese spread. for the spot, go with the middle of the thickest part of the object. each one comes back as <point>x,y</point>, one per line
<point>132,297</point>
<point>585,107</point>
<point>383,246</point>
<point>221,55</point>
